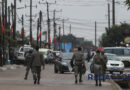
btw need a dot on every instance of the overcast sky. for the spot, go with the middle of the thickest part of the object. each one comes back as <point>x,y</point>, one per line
<point>81,14</point>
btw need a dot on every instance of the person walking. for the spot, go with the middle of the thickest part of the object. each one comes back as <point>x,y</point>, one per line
<point>28,58</point>
<point>98,63</point>
<point>37,62</point>
<point>78,63</point>
<point>104,57</point>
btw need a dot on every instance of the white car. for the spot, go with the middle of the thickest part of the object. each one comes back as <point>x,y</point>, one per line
<point>114,64</point>
<point>21,53</point>
<point>45,52</point>
<point>122,52</point>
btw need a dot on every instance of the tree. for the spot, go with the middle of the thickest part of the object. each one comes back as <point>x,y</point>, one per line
<point>114,36</point>
<point>127,2</point>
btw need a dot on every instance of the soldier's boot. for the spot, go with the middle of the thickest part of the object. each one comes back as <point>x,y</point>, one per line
<point>25,76</point>
<point>76,81</point>
<point>80,79</point>
<point>27,72</point>
<point>100,83</point>
<point>38,80</point>
<point>96,83</point>
<point>35,78</point>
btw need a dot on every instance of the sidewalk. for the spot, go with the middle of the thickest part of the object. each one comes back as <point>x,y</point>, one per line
<point>10,67</point>
<point>13,79</point>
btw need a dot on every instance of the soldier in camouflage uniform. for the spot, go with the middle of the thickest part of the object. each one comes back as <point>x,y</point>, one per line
<point>98,63</point>
<point>78,62</point>
<point>104,57</point>
<point>37,62</point>
<point>28,58</point>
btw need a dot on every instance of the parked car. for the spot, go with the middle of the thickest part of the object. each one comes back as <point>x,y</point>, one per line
<point>57,52</point>
<point>21,53</point>
<point>45,52</point>
<point>62,63</point>
<point>122,52</point>
<point>114,64</point>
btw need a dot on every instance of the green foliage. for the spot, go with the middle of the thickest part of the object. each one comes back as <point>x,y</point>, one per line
<point>127,2</point>
<point>114,36</point>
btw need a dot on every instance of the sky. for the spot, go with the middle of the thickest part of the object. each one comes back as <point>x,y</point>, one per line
<point>81,14</point>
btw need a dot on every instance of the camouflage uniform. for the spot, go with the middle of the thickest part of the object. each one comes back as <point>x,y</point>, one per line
<point>37,62</point>
<point>28,59</point>
<point>98,62</point>
<point>104,57</point>
<point>78,62</point>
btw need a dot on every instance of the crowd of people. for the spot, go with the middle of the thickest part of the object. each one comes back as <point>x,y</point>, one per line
<point>34,61</point>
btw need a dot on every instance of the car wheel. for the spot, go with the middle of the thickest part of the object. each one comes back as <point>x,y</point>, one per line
<point>121,72</point>
<point>55,70</point>
<point>126,63</point>
<point>111,72</point>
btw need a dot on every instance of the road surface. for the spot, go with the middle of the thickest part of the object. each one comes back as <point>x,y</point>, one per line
<point>14,80</point>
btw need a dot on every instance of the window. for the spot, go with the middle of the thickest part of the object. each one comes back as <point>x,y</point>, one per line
<point>127,52</point>
<point>119,52</point>
<point>108,50</point>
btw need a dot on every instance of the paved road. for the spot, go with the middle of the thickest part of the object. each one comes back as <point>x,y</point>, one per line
<point>14,80</point>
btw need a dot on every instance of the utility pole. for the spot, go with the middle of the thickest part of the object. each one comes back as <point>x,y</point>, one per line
<point>70,28</point>
<point>14,24</point>
<point>109,16</point>
<point>54,24</point>
<point>37,30</point>
<point>48,23</point>
<point>113,12</point>
<point>2,62</point>
<point>40,26</point>
<point>12,10</point>
<point>95,34</point>
<point>9,27</point>
<point>63,33</point>
<point>6,26</point>
<point>22,30</point>
<point>59,38</point>
<point>31,22</point>
<point>9,17</point>
<point>63,27</point>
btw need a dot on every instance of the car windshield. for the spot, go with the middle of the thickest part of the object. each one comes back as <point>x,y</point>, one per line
<point>67,56</point>
<point>44,53</point>
<point>113,57</point>
<point>25,49</point>
<point>118,52</point>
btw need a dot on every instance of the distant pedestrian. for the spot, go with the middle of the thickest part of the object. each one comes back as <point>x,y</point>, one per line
<point>28,58</point>
<point>37,62</point>
<point>98,63</point>
<point>78,63</point>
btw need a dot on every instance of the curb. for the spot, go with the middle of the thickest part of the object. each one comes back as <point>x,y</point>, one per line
<point>115,85</point>
<point>10,67</point>
<point>3,69</point>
